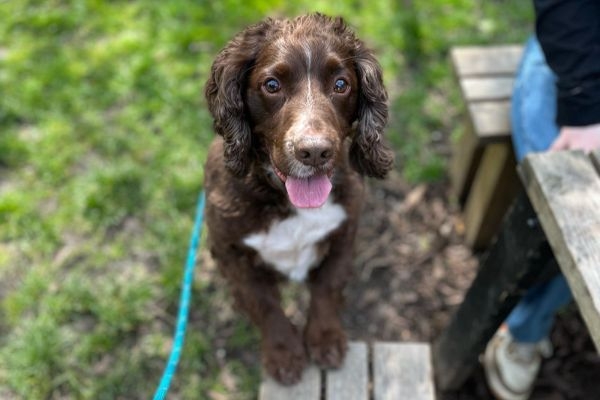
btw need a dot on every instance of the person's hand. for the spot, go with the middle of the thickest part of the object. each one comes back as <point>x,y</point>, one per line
<point>586,138</point>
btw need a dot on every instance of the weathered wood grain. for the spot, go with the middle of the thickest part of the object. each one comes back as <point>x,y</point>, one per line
<point>564,188</point>
<point>308,389</point>
<point>351,381</point>
<point>402,371</point>
<point>491,120</point>
<point>487,88</point>
<point>486,60</point>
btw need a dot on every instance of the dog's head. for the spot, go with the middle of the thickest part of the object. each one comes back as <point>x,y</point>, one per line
<point>297,89</point>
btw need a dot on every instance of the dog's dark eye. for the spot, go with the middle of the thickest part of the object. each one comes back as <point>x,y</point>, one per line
<point>272,85</point>
<point>340,86</point>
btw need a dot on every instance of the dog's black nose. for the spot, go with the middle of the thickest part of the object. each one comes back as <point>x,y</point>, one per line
<point>313,151</point>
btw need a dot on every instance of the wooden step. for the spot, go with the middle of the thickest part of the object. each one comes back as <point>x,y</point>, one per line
<point>482,169</point>
<point>485,75</point>
<point>387,371</point>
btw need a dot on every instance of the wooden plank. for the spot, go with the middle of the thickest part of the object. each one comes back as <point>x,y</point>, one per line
<point>514,262</point>
<point>466,155</point>
<point>402,371</point>
<point>487,123</point>
<point>351,381</point>
<point>494,188</point>
<point>564,188</point>
<point>486,60</point>
<point>485,75</point>
<point>309,387</point>
<point>487,88</point>
<point>491,120</point>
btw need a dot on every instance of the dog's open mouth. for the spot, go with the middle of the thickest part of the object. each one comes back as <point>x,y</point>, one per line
<point>309,192</point>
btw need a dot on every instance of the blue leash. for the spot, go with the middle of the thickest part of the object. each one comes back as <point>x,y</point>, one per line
<point>184,304</point>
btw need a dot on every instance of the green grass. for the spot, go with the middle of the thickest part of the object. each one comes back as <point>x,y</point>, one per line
<point>103,135</point>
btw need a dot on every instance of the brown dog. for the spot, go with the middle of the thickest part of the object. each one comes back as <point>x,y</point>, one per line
<point>300,108</point>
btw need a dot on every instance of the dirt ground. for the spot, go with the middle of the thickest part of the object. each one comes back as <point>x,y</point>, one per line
<point>413,269</point>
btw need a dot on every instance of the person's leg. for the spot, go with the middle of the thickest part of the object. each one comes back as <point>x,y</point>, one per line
<point>532,318</point>
<point>534,129</point>
<point>533,110</point>
<point>513,357</point>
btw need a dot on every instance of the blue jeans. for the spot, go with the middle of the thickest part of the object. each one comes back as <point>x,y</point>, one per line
<point>533,130</point>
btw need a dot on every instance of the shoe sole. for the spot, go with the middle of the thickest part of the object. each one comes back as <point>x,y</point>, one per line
<point>494,379</point>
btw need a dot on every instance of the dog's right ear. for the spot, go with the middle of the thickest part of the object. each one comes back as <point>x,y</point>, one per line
<point>369,153</point>
<point>224,92</point>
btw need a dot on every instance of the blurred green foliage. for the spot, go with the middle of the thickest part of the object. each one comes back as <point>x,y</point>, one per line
<point>103,134</point>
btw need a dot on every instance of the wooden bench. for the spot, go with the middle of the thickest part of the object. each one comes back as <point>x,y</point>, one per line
<point>482,170</point>
<point>388,371</point>
<point>557,215</point>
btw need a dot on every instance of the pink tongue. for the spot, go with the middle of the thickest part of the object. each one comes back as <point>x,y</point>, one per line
<point>308,192</point>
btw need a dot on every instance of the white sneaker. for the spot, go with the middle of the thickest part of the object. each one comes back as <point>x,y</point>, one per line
<point>512,367</point>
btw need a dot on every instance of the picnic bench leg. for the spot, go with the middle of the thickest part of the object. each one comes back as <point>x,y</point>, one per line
<point>513,264</point>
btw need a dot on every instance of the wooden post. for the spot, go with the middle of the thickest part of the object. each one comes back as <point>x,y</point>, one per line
<point>494,188</point>
<point>513,263</point>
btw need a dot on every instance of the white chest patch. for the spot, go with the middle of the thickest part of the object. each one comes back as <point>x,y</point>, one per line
<point>289,245</point>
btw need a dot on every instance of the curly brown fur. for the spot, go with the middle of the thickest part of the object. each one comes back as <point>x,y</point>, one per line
<point>300,108</point>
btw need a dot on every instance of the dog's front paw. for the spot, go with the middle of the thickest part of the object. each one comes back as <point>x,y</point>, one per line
<point>326,344</point>
<point>285,361</point>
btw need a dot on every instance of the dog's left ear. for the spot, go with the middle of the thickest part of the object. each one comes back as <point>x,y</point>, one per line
<point>224,93</point>
<point>369,154</point>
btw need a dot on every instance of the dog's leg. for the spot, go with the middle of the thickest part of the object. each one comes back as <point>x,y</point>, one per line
<point>257,295</point>
<point>324,336</point>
